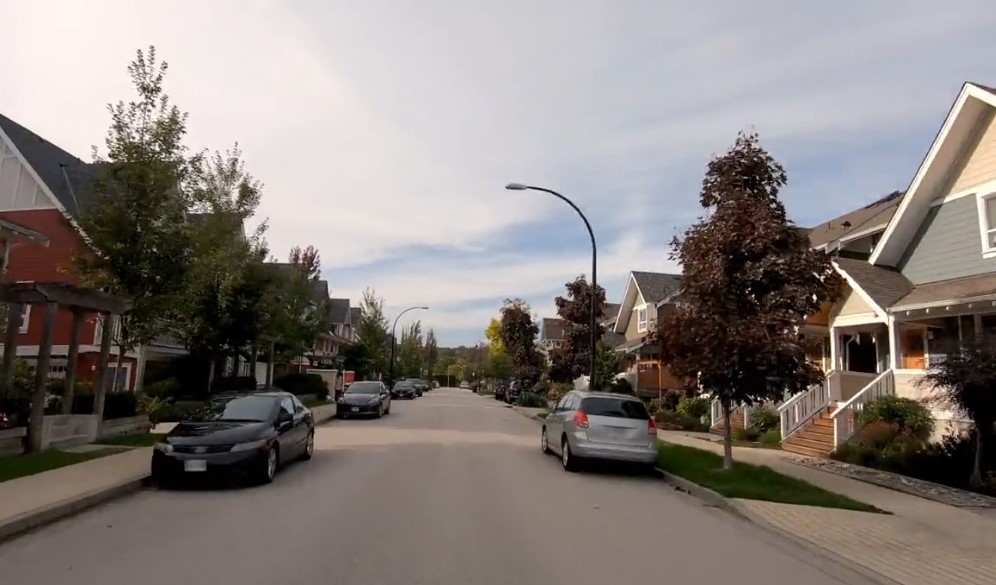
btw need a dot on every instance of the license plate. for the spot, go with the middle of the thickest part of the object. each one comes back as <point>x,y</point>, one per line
<point>195,465</point>
<point>354,409</point>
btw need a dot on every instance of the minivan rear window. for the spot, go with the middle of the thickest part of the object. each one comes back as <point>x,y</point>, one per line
<point>614,407</point>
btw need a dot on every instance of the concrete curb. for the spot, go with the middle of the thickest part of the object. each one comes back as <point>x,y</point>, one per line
<point>529,415</point>
<point>28,521</point>
<point>708,497</point>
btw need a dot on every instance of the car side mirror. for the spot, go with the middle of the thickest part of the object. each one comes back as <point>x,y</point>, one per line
<point>284,417</point>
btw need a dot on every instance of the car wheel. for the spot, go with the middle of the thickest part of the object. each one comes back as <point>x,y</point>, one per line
<point>380,411</point>
<point>567,458</point>
<point>544,443</point>
<point>388,411</point>
<point>309,447</point>
<point>268,469</point>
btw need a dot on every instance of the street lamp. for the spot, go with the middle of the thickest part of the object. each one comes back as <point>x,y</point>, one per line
<point>594,268</point>
<point>393,340</point>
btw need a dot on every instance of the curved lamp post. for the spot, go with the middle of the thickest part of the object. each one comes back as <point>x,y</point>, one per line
<point>594,273</point>
<point>393,341</point>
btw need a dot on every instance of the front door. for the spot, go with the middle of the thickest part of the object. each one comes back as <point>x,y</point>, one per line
<point>913,348</point>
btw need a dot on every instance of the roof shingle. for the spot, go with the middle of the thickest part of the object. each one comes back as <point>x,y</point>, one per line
<point>339,309</point>
<point>877,213</point>
<point>657,286</point>
<point>884,285</point>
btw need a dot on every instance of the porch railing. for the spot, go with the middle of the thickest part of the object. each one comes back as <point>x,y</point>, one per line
<point>845,417</point>
<point>798,409</point>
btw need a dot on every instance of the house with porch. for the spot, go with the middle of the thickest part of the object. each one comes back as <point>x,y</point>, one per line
<point>928,284</point>
<point>551,330</point>
<point>647,298</point>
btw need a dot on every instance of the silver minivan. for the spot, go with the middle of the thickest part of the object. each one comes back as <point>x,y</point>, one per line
<point>599,425</point>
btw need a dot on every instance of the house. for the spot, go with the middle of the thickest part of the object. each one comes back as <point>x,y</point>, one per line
<point>648,297</point>
<point>42,188</point>
<point>928,284</point>
<point>552,330</point>
<point>355,318</point>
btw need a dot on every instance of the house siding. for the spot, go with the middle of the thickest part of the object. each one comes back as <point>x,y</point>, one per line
<point>632,331</point>
<point>30,262</point>
<point>979,165</point>
<point>947,245</point>
<point>18,189</point>
<point>853,304</point>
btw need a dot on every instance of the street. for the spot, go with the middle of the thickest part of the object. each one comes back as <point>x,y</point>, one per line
<point>450,488</point>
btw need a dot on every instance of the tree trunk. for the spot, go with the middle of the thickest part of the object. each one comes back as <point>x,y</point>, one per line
<point>727,436</point>
<point>210,383</point>
<point>975,481</point>
<point>117,370</point>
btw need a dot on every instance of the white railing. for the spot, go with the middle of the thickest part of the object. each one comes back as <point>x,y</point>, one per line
<point>845,417</point>
<point>166,340</point>
<point>716,412</point>
<point>797,410</point>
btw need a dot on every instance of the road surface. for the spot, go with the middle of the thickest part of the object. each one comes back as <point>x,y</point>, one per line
<point>449,489</point>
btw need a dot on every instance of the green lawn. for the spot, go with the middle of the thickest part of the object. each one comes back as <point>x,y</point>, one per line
<point>749,481</point>
<point>30,464</point>
<point>317,402</point>
<point>134,440</point>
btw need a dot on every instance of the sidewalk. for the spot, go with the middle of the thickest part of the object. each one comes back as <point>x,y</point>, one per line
<point>34,500</point>
<point>923,543</point>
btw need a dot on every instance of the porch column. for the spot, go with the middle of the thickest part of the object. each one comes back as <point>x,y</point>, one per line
<point>100,388</point>
<point>14,311</point>
<point>835,350</point>
<point>977,325</point>
<point>269,364</point>
<point>894,344</point>
<point>72,361</point>
<point>140,369</point>
<point>35,421</point>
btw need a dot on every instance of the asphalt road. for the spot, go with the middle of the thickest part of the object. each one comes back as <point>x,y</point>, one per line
<point>449,489</point>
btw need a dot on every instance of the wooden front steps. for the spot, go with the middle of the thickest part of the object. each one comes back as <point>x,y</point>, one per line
<point>736,420</point>
<point>814,438</point>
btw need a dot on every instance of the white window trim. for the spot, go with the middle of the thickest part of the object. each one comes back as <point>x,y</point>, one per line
<point>126,366</point>
<point>984,228</point>
<point>641,324</point>
<point>25,319</point>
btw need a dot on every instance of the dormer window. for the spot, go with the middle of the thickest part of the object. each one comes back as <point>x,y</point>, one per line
<point>987,223</point>
<point>641,319</point>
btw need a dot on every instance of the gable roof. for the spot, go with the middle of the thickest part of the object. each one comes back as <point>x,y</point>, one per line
<point>66,177</point>
<point>610,311</point>
<point>552,329</point>
<point>355,316</point>
<point>656,286</point>
<point>972,102</point>
<point>856,223</point>
<point>339,309</point>
<point>880,285</point>
<point>320,290</point>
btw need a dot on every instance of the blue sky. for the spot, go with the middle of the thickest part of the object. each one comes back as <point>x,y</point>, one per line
<point>385,130</point>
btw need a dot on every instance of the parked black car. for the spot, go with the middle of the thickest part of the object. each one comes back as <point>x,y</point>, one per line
<point>500,388</point>
<point>512,391</point>
<point>248,435</point>
<point>364,399</point>
<point>421,386</point>
<point>403,389</point>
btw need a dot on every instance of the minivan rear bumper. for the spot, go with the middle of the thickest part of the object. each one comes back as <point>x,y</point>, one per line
<point>589,450</point>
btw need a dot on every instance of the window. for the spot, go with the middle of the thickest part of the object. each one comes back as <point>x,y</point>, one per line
<point>298,405</point>
<point>614,407</point>
<point>987,223</point>
<point>25,318</point>
<point>641,319</point>
<point>287,405</point>
<point>562,405</point>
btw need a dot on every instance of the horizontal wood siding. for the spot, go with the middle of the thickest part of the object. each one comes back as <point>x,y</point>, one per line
<point>947,245</point>
<point>979,166</point>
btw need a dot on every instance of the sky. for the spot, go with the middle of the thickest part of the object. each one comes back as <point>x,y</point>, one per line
<point>384,131</point>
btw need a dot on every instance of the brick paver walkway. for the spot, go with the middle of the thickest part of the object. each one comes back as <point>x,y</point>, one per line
<point>922,543</point>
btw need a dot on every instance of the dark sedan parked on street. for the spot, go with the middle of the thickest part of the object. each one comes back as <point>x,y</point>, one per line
<point>249,435</point>
<point>364,399</point>
<point>403,389</point>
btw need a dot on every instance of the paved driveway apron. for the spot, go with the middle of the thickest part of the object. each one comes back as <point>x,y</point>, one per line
<point>448,489</point>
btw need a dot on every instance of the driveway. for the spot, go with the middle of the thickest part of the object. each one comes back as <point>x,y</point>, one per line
<point>448,489</point>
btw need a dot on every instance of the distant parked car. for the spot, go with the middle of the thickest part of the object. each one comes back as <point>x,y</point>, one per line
<point>365,399</point>
<point>465,385</point>
<point>404,389</point>
<point>421,386</point>
<point>512,391</point>
<point>595,425</point>
<point>251,435</point>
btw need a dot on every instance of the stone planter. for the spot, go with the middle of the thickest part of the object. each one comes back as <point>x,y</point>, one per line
<point>125,426</point>
<point>323,413</point>
<point>12,441</point>
<point>61,431</point>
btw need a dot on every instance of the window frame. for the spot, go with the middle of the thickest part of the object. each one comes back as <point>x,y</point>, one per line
<point>642,321</point>
<point>25,319</point>
<point>985,230</point>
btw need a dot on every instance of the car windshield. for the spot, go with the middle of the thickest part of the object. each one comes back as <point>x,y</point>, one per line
<point>241,409</point>
<point>364,388</point>
<point>614,407</point>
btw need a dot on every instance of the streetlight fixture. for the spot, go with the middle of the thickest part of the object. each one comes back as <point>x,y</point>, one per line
<point>594,270</point>
<point>393,340</point>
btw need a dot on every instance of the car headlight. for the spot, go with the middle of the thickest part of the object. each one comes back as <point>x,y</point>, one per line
<point>250,446</point>
<point>164,447</point>
<point>374,400</point>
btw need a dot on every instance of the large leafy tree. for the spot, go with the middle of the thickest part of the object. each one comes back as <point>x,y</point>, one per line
<point>410,349</point>
<point>964,382</point>
<point>493,335</point>
<point>431,351</point>
<point>573,357</point>
<point>304,314</point>
<point>518,336</point>
<point>373,334</point>
<point>135,218</point>
<point>750,281</point>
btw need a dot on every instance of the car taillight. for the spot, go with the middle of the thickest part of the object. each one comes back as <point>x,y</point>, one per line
<point>652,427</point>
<point>580,420</point>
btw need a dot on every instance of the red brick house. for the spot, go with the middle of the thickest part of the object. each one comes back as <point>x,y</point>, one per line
<point>41,187</point>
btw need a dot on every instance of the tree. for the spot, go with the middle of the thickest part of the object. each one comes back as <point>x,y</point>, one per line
<point>573,356</point>
<point>308,260</point>
<point>518,336</point>
<point>965,380</point>
<point>750,281</point>
<point>409,354</point>
<point>372,331</point>
<point>607,365</point>
<point>303,313</point>
<point>493,335</point>
<point>431,352</point>
<point>135,218</point>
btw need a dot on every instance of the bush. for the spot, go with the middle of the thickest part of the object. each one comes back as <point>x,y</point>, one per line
<point>751,434</point>
<point>654,406</point>
<point>693,407</point>
<point>541,387</point>
<point>765,419</point>
<point>771,438</point>
<point>671,399</point>
<point>177,411</point>
<point>673,421</point>
<point>236,384</point>
<point>531,400</point>
<point>878,434</point>
<point>163,389</point>
<point>557,391</point>
<point>152,407</point>
<point>621,386</point>
<point>116,404</point>
<point>299,384</point>
<point>909,416</point>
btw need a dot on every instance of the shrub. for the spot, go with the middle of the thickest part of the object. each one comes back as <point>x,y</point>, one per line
<point>909,416</point>
<point>557,391</point>
<point>751,434</point>
<point>765,419</point>
<point>693,407</point>
<point>177,411</point>
<point>878,434</point>
<point>656,405</point>
<point>303,384</point>
<point>856,454</point>
<point>541,387</point>
<point>673,421</point>
<point>621,386</point>
<point>771,438</point>
<point>116,404</point>
<point>237,384</point>
<point>152,407</point>
<point>671,399</point>
<point>531,400</point>
<point>163,389</point>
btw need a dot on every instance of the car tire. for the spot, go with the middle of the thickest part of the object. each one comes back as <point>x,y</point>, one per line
<point>388,411</point>
<point>569,461</point>
<point>269,465</point>
<point>544,442</point>
<point>309,446</point>
<point>380,411</point>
